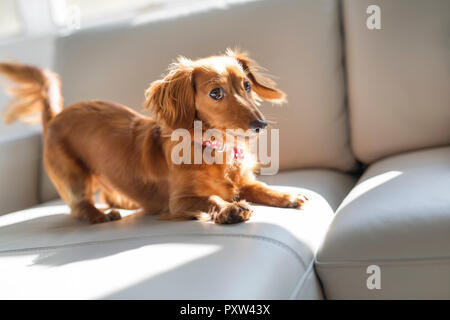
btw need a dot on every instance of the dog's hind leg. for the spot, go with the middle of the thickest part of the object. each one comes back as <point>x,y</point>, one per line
<point>75,185</point>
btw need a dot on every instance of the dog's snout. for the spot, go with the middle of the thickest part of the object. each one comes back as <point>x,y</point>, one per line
<point>257,125</point>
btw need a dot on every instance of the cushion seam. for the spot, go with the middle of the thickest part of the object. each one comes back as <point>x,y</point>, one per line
<point>385,262</point>
<point>298,287</point>
<point>272,241</point>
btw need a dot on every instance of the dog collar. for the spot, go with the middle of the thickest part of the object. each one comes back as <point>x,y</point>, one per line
<point>220,147</point>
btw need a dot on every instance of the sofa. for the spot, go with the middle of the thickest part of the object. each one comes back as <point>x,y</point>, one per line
<point>365,135</point>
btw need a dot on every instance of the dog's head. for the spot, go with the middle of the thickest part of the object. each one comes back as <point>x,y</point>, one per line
<point>222,91</point>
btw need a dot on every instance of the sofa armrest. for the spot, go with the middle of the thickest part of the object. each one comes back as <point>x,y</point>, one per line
<point>20,157</point>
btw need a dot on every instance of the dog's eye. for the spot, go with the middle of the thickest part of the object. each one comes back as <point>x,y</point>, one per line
<point>247,86</point>
<point>216,94</point>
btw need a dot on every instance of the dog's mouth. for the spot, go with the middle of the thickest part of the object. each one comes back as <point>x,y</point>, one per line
<point>257,131</point>
<point>241,133</point>
<point>236,132</point>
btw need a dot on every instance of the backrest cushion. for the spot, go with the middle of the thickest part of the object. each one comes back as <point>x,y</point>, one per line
<point>298,41</point>
<point>398,76</point>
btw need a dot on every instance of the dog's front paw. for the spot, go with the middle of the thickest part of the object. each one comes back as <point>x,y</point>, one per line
<point>113,215</point>
<point>295,201</point>
<point>234,212</point>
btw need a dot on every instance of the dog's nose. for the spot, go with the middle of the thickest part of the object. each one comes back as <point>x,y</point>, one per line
<point>257,125</point>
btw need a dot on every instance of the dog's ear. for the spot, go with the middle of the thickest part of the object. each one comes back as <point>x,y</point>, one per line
<point>261,85</point>
<point>172,99</point>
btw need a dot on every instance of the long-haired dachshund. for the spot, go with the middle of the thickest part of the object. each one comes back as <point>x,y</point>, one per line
<point>102,145</point>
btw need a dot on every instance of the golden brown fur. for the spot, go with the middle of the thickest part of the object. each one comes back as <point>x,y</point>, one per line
<point>103,145</point>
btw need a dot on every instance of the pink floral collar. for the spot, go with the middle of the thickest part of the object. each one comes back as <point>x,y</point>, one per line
<point>216,145</point>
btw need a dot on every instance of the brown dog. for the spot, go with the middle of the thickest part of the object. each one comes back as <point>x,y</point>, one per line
<point>102,145</point>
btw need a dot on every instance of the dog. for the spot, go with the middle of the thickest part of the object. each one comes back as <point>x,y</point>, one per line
<point>100,145</point>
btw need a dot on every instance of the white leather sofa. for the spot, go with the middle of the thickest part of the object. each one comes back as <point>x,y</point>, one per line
<point>365,135</point>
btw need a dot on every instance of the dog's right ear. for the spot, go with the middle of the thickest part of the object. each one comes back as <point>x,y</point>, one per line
<point>172,99</point>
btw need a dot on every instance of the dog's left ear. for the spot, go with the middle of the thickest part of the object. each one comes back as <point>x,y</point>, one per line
<point>262,86</point>
<point>172,99</point>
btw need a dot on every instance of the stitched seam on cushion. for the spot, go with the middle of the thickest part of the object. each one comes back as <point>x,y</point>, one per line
<point>302,281</point>
<point>385,262</point>
<point>100,242</point>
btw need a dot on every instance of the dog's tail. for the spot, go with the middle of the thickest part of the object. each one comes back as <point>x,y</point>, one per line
<point>37,91</point>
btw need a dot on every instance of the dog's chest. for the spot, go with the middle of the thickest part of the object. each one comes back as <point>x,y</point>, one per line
<point>230,179</point>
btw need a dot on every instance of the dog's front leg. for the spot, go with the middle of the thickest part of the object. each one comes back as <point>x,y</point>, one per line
<point>258,192</point>
<point>208,208</point>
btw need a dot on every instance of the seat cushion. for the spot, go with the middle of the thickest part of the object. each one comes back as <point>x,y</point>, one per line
<point>398,218</point>
<point>45,253</point>
<point>398,76</point>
